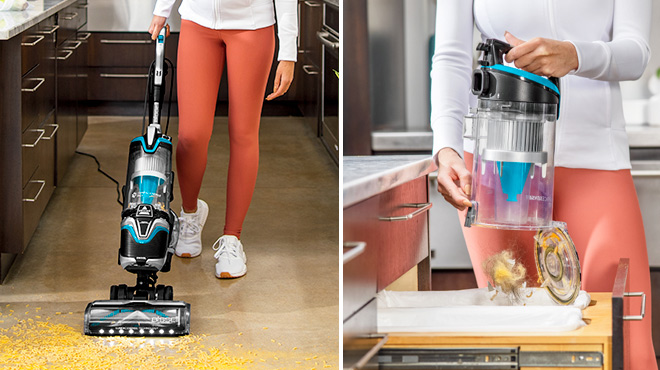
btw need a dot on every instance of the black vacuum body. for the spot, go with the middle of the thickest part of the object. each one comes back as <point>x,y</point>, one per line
<point>149,233</point>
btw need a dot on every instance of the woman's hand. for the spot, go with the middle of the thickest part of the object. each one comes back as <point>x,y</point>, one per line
<point>454,180</point>
<point>283,78</point>
<point>157,23</point>
<point>543,57</point>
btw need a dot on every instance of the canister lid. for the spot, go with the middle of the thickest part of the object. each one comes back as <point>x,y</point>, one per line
<point>557,263</point>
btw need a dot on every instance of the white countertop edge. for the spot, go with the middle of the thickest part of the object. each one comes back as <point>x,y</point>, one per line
<point>8,34</point>
<point>368,186</point>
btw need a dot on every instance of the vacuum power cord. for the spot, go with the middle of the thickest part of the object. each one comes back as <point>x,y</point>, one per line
<point>98,166</point>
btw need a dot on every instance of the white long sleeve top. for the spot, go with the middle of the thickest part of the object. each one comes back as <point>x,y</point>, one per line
<point>242,15</point>
<point>611,39</point>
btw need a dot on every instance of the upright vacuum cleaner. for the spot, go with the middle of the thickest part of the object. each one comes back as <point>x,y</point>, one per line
<point>149,232</point>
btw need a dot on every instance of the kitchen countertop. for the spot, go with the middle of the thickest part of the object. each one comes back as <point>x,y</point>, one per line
<point>14,22</point>
<point>366,176</point>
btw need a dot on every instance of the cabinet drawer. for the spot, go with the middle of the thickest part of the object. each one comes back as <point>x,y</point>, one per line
<point>360,275</point>
<point>122,84</point>
<point>37,95</point>
<point>38,146</point>
<point>70,19</point>
<point>33,47</point>
<point>403,229</point>
<point>36,194</point>
<point>127,49</point>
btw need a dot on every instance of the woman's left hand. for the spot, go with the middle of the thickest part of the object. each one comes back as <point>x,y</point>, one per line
<point>283,78</point>
<point>544,57</point>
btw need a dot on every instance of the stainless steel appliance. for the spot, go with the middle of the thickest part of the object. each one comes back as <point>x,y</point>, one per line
<point>126,15</point>
<point>329,37</point>
<point>400,39</point>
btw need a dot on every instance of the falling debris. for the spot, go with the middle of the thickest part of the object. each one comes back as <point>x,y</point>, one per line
<point>506,274</point>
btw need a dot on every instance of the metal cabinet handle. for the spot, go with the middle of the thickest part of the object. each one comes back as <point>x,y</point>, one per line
<point>645,173</point>
<point>357,248</point>
<point>312,4</point>
<point>68,55</point>
<point>84,36</point>
<point>423,207</point>
<point>51,31</point>
<point>40,82</point>
<point>123,75</point>
<point>322,36</point>
<point>371,353</point>
<point>43,184</point>
<point>38,40</point>
<point>105,41</point>
<point>309,69</point>
<point>70,16</point>
<point>52,134</point>
<point>41,134</point>
<point>642,311</point>
<point>67,47</point>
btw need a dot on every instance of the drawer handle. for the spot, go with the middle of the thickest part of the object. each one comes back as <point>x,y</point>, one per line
<point>41,135</point>
<point>68,55</point>
<point>104,41</point>
<point>51,31</point>
<point>309,69</point>
<point>356,249</point>
<point>43,184</point>
<point>323,37</point>
<point>40,81</point>
<point>371,353</point>
<point>123,75</point>
<point>70,16</point>
<point>642,311</point>
<point>84,36</point>
<point>645,173</point>
<point>423,207</point>
<point>71,42</point>
<point>36,41</point>
<point>312,4</point>
<point>52,134</point>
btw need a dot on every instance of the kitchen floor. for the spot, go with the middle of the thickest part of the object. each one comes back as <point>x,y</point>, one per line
<point>283,314</point>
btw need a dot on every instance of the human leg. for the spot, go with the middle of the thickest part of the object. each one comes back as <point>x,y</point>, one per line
<point>200,62</point>
<point>249,58</point>
<point>602,214</point>
<point>201,57</point>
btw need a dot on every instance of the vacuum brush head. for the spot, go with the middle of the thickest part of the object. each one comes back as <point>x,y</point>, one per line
<point>139,318</point>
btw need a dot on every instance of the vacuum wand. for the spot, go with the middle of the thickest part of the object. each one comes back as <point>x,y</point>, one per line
<point>157,88</point>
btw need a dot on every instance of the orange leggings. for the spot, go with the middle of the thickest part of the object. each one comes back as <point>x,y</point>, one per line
<point>201,58</point>
<point>602,214</point>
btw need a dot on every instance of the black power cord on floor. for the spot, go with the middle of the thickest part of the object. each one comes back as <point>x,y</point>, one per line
<point>98,166</point>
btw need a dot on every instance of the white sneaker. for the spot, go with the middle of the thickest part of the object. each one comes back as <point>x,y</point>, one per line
<point>231,257</point>
<point>190,231</point>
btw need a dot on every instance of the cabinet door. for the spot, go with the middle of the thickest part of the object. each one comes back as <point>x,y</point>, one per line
<point>81,84</point>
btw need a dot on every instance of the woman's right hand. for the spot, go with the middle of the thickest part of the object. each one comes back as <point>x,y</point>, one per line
<point>157,23</point>
<point>454,179</point>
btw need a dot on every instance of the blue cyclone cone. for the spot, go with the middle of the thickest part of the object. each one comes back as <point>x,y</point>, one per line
<point>148,186</point>
<point>513,176</point>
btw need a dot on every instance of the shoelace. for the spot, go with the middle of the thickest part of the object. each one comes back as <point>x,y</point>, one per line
<point>189,226</point>
<point>222,246</point>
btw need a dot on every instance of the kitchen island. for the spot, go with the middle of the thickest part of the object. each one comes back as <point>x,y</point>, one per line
<point>42,61</point>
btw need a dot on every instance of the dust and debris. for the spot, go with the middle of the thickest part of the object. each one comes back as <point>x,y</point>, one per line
<point>30,343</point>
